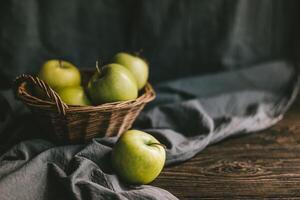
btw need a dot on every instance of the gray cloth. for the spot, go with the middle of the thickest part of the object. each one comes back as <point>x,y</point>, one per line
<point>198,111</point>
<point>188,115</point>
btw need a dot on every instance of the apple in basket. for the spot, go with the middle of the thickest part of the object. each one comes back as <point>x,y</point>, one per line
<point>65,79</point>
<point>112,83</point>
<point>138,157</point>
<point>136,65</point>
<point>59,74</point>
<point>74,96</point>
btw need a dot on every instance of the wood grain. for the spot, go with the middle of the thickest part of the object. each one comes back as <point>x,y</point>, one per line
<point>254,166</point>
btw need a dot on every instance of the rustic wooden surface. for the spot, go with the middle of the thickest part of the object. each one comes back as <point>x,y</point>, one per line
<point>255,166</point>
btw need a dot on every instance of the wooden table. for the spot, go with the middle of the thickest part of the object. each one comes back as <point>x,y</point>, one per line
<point>255,166</point>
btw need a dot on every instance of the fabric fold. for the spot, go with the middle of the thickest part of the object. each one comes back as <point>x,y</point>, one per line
<point>187,116</point>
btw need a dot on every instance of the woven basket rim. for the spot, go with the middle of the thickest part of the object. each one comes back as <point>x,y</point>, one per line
<point>147,96</point>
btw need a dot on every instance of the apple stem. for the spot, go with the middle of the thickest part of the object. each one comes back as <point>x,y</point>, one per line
<point>156,143</point>
<point>97,67</point>
<point>138,53</point>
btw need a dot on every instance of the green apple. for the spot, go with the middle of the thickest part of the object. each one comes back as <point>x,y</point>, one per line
<point>59,74</point>
<point>136,65</point>
<point>73,96</point>
<point>138,157</point>
<point>112,83</point>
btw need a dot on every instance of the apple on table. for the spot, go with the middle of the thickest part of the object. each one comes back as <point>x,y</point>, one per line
<point>138,157</point>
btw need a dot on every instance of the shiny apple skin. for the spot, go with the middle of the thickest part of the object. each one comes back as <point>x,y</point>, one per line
<point>113,83</point>
<point>59,76</point>
<point>136,65</point>
<point>74,96</point>
<point>138,157</point>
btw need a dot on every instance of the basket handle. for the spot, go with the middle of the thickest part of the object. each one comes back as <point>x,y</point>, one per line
<point>51,94</point>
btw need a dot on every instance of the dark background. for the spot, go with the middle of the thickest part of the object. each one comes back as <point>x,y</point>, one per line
<point>179,37</point>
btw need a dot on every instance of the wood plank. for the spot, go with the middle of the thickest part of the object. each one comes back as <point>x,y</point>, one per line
<point>254,166</point>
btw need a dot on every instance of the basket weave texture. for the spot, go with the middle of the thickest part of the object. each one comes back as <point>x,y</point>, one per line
<point>76,124</point>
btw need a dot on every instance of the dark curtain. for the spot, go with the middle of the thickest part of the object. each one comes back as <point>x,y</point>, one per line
<point>178,37</point>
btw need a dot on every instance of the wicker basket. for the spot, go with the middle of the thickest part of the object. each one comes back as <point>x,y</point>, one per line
<point>76,124</point>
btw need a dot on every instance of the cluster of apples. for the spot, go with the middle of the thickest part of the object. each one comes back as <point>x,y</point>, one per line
<point>137,157</point>
<point>119,81</point>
